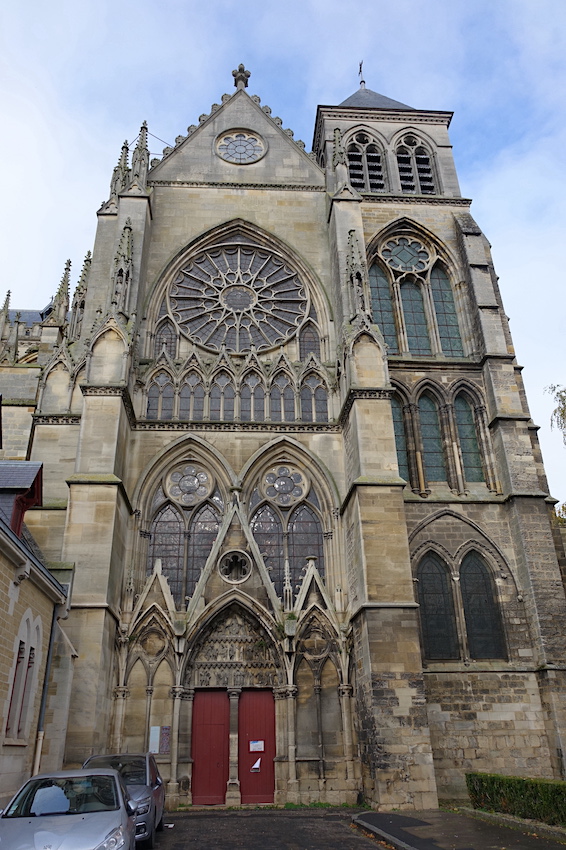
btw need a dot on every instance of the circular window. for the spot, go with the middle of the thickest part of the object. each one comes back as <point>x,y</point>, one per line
<point>189,484</point>
<point>285,485</point>
<point>405,254</point>
<point>240,147</point>
<point>239,297</point>
<point>235,566</point>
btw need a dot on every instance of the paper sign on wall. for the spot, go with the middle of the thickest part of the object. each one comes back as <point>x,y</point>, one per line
<point>255,767</point>
<point>257,746</point>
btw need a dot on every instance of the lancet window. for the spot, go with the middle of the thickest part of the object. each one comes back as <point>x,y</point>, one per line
<point>413,302</point>
<point>442,443</point>
<point>160,397</point>
<point>459,612</point>
<point>365,164</point>
<point>165,339</point>
<point>415,167</point>
<point>188,509</point>
<point>286,525</point>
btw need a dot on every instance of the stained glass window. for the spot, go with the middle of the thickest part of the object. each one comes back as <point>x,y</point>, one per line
<point>433,452</point>
<point>437,615</point>
<point>167,542</point>
<point>203,531</point>
<point>305,538</point>
<point>191,400</point>
<point>314,401</point>
<point>382,307</point>
<point>252,399</point>
<point>445,308</point>
<point>160,397</point>
<point>222,399</point>
<point>483,618</point>
<point>400,439</point>
<point>415,319</point>
<point>268,533</point>
<point>471,457</point>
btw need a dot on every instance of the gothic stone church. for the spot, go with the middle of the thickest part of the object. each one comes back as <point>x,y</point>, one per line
<point>287,450</point>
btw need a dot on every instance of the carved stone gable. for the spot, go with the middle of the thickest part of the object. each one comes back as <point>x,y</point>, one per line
<point>235,652</point>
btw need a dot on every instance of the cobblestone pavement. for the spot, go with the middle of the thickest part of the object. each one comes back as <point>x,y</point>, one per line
<point>257,829</point>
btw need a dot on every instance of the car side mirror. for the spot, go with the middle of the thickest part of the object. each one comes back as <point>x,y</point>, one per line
<point>131,807</point>
<point>158,782</point>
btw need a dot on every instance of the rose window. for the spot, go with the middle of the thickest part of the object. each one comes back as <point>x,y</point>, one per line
<point>189,484</point>
<point>240,147</point>
<point>239,297</point>
<point>406,255</point>
<point>285,485</point>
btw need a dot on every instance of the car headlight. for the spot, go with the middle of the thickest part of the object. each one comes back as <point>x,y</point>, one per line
<point>144,806</point>
<point>113,840</point>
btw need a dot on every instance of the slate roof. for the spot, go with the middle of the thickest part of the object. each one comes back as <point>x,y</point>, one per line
<point>18,474</point>
<point>30,317</point>
<point>368,99</point>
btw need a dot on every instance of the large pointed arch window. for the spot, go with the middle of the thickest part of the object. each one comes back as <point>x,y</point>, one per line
<point>187,512</point>
<point>191,398</point>
<point>472,594</point>
<point>252,399</point>
<point>282,399</point>
<point>309,342</point>
<point>412,300</point>
<point>415,167</point>
<point>165,339</point>
<point>286,525</point>
<point>314,400</point>
<point>222,397</point>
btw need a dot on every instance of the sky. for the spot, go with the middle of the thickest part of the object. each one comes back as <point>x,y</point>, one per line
<point>78,77</point>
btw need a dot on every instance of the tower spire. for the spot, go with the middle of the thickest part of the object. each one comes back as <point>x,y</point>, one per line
<point>120,175</point>
<point>140,162</point>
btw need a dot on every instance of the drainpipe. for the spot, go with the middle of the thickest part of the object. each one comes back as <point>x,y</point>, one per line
<point>41,720</point>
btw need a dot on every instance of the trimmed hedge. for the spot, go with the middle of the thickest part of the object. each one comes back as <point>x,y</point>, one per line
<point>537,799</point>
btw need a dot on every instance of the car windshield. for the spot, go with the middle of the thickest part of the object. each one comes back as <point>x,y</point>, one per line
<point>72,795</point>
<point>132,769</point>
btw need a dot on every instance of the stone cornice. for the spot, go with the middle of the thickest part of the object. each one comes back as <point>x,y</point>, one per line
<point>355,394</point>
<point>286,427</point>
<point>437,200</point>
<point>56,419</point>
<point>201,184</point>
<point>374,481</point>
<point>359,113</point>
<point>98,479</point>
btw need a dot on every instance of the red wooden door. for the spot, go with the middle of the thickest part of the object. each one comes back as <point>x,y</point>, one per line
<point>210,742</point>
<point>256,729</point>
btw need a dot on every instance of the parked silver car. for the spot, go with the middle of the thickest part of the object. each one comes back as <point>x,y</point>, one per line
<point>70,810</point>
<point>145,786</point>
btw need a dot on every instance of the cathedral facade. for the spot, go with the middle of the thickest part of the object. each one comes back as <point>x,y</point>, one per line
<point>287,451</point>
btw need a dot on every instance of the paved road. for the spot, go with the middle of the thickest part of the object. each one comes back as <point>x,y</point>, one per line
<point>253,829</point>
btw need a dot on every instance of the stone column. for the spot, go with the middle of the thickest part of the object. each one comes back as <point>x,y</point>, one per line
<point>173,785</point>
<point>121,694</point>
<point>293,784</point>
<point>233,796</point>
<point>281,745</point>
<point>345,692</point>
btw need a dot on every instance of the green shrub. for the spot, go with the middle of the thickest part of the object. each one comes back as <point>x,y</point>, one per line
<point>538,799</point>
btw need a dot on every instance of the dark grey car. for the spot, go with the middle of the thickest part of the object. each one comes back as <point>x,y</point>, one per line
<point>145,786</point>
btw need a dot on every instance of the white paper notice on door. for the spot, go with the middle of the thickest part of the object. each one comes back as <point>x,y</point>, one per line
<point>256,766</point>
<point>257,746</point>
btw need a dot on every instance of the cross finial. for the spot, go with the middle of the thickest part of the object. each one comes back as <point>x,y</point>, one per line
<point>241,77</point>
<point>361,75</point>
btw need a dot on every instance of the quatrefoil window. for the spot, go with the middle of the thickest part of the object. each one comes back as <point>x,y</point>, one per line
<point>235,566</point>
<point>238,296</point>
